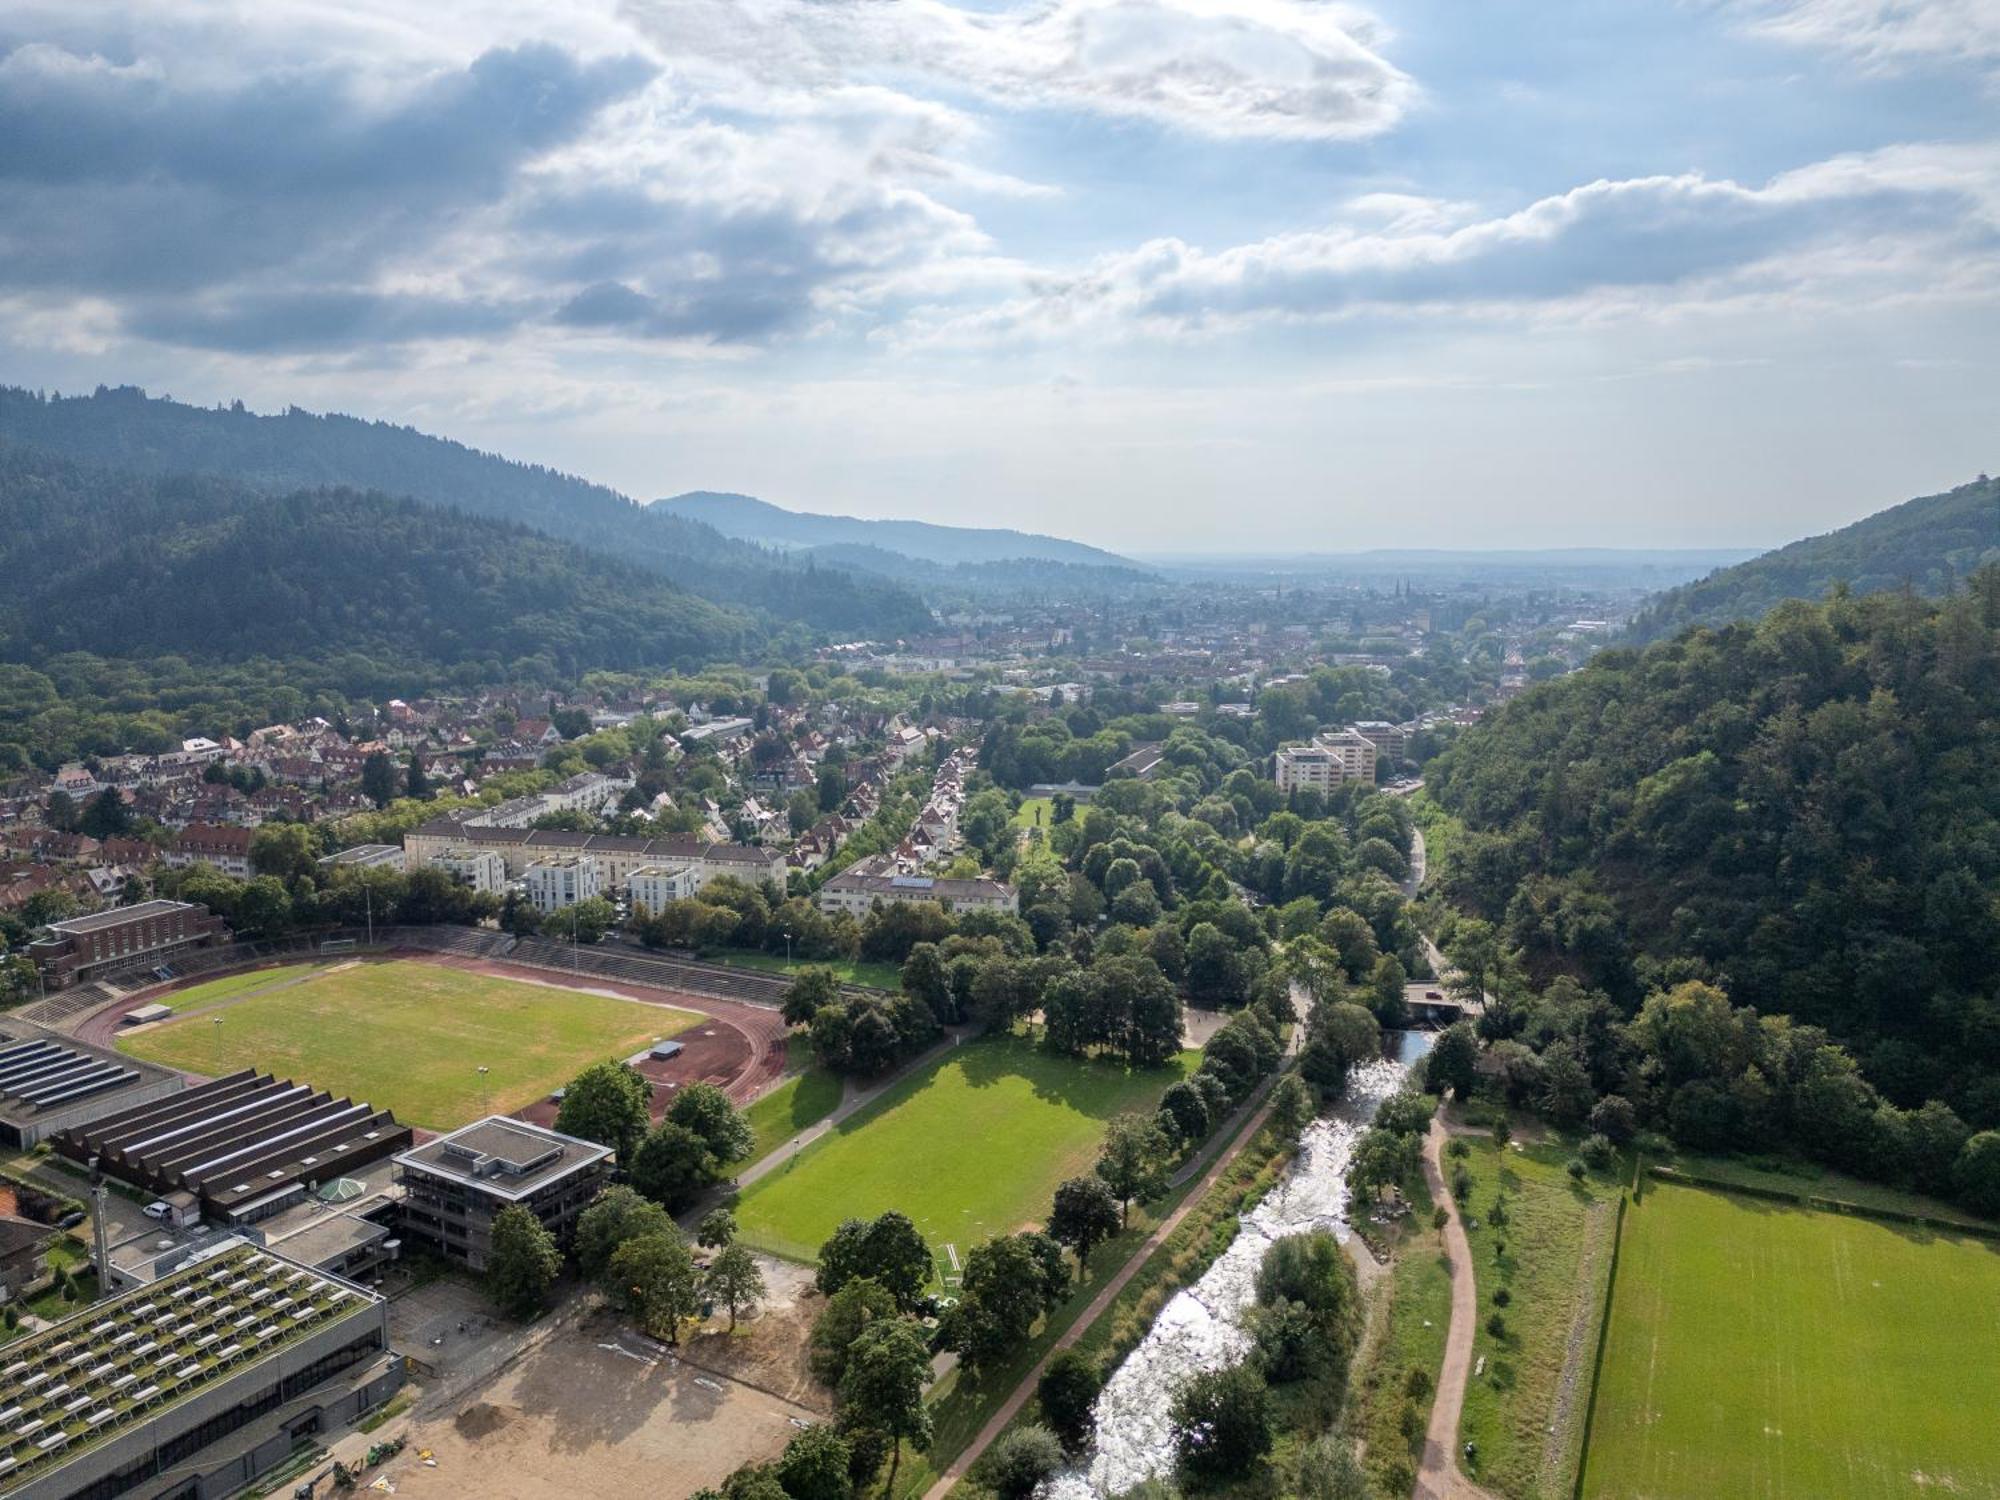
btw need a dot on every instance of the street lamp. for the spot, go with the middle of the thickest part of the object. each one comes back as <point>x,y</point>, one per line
<point>217,1021</point>
<point>485,1095</point>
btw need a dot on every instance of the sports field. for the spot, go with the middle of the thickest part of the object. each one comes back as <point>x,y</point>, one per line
<point>407,1036</point>
<point>1760,1350</point>
<point>970,1147</point>
<point>231,984</point>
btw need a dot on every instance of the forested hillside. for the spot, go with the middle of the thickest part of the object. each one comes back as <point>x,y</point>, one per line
<point>1805,811</point>
<point>125,429</point>
<point>1926,544</point>
<point>128,565</point>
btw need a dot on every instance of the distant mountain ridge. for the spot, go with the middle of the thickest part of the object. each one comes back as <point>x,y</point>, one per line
<point>750,519</point>
<point>125,429</point>
<point>1928,543</point>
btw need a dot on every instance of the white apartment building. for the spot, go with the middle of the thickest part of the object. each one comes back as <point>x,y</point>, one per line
<point>560,882</point>
<point>481,870</point>
<point>1391,741</point>
<point>1331,760</point>
<point>653,886</point>
<point>854,893</point>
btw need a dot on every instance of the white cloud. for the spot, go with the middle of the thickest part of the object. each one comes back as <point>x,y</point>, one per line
<point>1885,32</point>
<point>1284,69</point>
<point>1910,221</point>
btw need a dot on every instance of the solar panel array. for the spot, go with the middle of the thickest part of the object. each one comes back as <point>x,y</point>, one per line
<point>116,1364</point>
<point>47,1075</point>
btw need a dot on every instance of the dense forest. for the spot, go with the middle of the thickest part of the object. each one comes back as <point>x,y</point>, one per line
<point>121,564</point>
<point>1925,544</point>
<point>125,429</point>
<point>1804,812</point>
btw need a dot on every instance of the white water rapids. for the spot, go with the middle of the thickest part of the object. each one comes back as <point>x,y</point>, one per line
<point>1202,1327</point>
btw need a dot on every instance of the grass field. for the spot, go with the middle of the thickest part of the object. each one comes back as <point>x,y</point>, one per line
<point>232,984</point>
<point>411,1037</point>
<point>1034,812</point>
<point>969,1147</point>
<point>884,976</point>
<point>808,1094</point>
<point>1392,1413</point>
<point>1758,1350</point>
<point>1553,1255</point>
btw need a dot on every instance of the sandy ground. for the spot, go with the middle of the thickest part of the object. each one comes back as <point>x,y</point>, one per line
<point>602,1411</point>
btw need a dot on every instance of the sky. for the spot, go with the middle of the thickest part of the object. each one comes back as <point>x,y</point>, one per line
<point>1161,275</point>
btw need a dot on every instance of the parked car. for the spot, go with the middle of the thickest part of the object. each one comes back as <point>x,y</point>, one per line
<point>157,1209</point>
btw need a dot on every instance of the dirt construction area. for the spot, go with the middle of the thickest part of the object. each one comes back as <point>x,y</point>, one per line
<point>602,1410</point>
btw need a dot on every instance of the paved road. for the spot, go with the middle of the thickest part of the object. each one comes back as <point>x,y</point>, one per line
<point>1439,1477</point>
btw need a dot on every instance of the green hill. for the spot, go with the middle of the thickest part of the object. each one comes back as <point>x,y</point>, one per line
<point>1927,543</point>
<point>127,430</point>
<point>1805,811</point>
<point>137,566</point>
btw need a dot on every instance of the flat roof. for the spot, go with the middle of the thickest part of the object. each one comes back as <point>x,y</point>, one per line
<point>125,1360</point>
<point>119,915</point>
<point>505,1157</point>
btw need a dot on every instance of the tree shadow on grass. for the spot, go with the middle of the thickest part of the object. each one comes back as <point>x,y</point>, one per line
<point>1087,1085</point>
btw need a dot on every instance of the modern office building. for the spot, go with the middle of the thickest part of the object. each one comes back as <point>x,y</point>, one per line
<point>191,1387</point>
<point>455,1186</point>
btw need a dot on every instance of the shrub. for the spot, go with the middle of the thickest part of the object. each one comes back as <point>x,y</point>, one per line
<point>1577,1170</point>
<point>1019,1461</point>
<point>1497,1326</point>
<point>1501,1296</point>
<point>1598,1151</point>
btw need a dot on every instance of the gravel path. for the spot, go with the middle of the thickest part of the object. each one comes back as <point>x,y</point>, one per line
<point>1439,1477</point>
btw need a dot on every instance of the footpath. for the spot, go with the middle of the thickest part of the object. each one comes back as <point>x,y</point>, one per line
<point>1439,1476</point>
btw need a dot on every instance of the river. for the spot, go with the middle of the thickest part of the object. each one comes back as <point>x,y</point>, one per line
<point>1201,1328</point>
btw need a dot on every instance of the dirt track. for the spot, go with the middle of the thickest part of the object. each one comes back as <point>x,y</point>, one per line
<point>1439,1476</point>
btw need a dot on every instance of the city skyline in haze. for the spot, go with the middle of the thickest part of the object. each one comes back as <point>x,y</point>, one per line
<point>1166,276</point>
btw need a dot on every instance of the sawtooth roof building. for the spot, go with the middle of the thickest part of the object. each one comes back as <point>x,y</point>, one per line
<point>49,1083</point>
<point>247,1145</point>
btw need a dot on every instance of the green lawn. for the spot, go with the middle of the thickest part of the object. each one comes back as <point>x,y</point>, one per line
<point>411,1037</point>
<point>1758,1350</point>
<point>1556,1258</point>
<point>1034,812</point>
<point>232,984</point>
<point>884,976</point>
<point>1392,1414</point>
<point>1804,1179</point>
<point>807,1095</point>
<point>969,1147</point>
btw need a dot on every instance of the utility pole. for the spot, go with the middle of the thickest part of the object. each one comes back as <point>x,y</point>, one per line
<point>100,1236</point>
<point>368,895</point>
